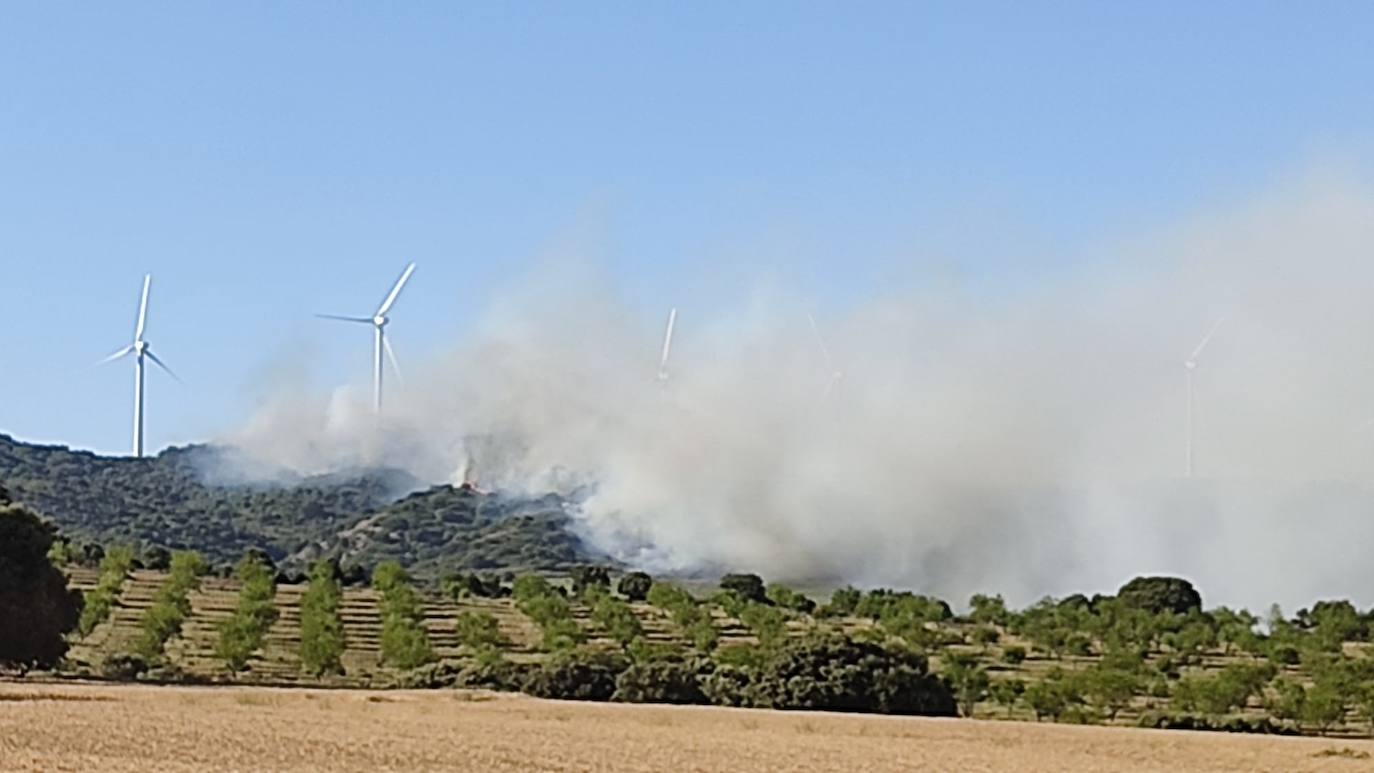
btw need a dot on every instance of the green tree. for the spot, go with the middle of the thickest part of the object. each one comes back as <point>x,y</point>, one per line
<point>750,587</point>
<point>404,641</point>
<point>615,617</point>
<point>322,634</point>
<point>968,680</point>
<point>36,607</point>
<point>1006,692</point>
<point>635,586</point>
<point>988,610</point>
<point>1109,690</point>
<point>1161,594</point>
<point>115,566</point>
<point>242,634</point>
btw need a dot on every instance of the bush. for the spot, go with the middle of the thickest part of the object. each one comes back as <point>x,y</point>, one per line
<point>322,635</point>
<point>768,624</point>
<point>591,579</point>
<point>834,673</point>
<point>843,602</point>
<point>662,681</point>
<point>635,586</point>
<point>124,667</point>
<point>694,622</point>
<point>577,675</point>
<point>478,631</point>
<point>615,617</point>
<point>550,610</point>
<point>785,597</point>
<point>1013,654</point>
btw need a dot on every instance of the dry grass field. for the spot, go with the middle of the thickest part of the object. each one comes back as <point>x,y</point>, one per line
<point>55,727</point>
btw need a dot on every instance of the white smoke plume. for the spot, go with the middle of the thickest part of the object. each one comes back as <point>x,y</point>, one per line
<point>1029,445</point>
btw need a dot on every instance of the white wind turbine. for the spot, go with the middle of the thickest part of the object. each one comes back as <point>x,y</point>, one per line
<point>140,349</point>
<point>836,375</point>
<point>1191,365</point>
<point>667,346</point>
<point>378,321</point>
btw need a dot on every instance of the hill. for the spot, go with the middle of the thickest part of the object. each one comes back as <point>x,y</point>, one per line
<point>183,498</point>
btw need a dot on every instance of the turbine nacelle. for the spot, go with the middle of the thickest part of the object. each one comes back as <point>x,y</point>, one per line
<point>380,320</point>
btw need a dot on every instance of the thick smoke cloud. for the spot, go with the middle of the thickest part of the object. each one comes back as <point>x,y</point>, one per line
<point>1029,445</point>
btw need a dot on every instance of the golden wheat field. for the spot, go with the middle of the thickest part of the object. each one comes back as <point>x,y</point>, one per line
<point>58,727</point>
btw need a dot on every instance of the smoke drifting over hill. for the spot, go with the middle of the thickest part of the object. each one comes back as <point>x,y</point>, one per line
<point>1030,444</point>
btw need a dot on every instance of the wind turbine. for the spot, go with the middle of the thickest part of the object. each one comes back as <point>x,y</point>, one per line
<point>378,321</point>
<point>140,349</point>
<point>1191,365</point>
<point>667,346</point>
<point>836,375</point>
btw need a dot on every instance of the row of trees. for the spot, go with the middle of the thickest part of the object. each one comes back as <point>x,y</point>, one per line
<point>322,635</point>
<point>242,634</point>
<point>115,566</point>
<point>404,642</point>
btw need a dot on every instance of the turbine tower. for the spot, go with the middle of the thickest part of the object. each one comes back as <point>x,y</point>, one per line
<point>1190,365</point>
<point>836,375</point>
<point>378,321</point>
<point>140,349</point>
<point>667,346</point>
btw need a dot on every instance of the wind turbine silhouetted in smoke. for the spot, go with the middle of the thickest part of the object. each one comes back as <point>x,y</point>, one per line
<point>667,346</point>
<point>1191,365</point>
<point>836,375</point>
<point>140,349</point>
<point>379,321</point>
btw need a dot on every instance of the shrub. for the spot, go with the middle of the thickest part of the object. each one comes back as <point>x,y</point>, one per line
<point>1013,654</point>
<point>590,579</point>
<point>550,610</point>
<point>322,636</point>
<point>768,624</point>
<point>478,631</point>
<point>577,675</point>
<point>659,681</point>
<point>834,673</point>
<point>968,679</point>
<point>843,602</point>
<point>785,597</point>
<point>635,586</point>
<point>124,667</point>
<point>615,617</point>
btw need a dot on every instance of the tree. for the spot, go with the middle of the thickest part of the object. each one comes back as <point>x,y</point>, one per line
<point>1325,703</point>
<point>635,586</point>
<point>322,635</point>
<point>843,601</point>
<point>988,610</point>
<point>1161,594</point>
<point>785,597</point>
<point>1109,690</point>
<point>750,587</point>
<point>587,579</point>
<point>36,607</point>
<point>1006,692</point>
<point>967,678</point>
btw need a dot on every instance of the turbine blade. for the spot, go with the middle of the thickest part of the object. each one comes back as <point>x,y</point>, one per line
<point>121,353</point>
<point>391,356</point>
<point>1206,339</point>
<point>820,342</point>
<point>345,319</point>
<point>163,365</point>
<point>667,343</point>
<point>396,291</point>
<point>143,308</point>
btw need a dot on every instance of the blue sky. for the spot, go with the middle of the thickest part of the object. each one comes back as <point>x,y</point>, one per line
<point>268,160</point>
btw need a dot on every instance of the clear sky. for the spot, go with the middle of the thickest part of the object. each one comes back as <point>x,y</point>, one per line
<point>269,160</point>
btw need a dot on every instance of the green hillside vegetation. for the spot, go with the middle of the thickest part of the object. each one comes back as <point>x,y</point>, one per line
<point>193,498</point>
<point>1150,656</point>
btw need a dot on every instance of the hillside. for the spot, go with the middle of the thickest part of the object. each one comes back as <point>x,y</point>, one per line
<point>182,498</point>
